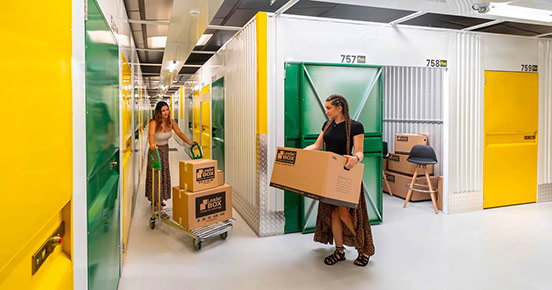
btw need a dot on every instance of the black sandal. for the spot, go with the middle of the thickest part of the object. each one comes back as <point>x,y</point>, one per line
<point>362,260</point>
<point>335,257</point>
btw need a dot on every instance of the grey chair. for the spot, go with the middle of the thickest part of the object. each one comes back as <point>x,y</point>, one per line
<point>422,155</point>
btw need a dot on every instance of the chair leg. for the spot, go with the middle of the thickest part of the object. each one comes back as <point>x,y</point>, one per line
<point>387,183</point>
<point>431,189</point>
<point>409,194</point>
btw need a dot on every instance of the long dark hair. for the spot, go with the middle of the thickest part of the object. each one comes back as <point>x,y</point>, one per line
<point>158,117</point>
<point>338,100</point>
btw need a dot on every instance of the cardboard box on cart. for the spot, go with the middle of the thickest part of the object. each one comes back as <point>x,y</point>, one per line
<point>198,209</point>
<point>198,174</point>
<point>317,174</point>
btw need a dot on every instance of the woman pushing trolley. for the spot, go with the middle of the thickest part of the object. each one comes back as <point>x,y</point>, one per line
<point>202,203</point>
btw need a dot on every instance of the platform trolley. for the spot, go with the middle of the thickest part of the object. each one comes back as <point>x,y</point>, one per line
<point>198,235</point>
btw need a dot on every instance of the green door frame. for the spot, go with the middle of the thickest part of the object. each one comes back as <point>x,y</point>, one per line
<point>298,81</point>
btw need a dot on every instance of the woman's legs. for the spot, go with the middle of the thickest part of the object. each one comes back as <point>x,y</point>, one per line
<point>339,215</point>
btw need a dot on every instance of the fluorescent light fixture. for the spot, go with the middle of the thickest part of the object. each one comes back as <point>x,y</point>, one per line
<point>157,41</point>
<point>203,39</point>
<point>505,10</point>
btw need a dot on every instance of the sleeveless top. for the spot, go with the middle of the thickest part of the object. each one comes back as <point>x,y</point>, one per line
<point>162,138</point>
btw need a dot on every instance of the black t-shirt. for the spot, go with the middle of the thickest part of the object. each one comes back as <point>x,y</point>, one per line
<point>335,136</point>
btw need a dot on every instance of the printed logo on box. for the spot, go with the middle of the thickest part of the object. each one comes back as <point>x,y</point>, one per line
<point>402,138</point>
<point>210,204</point>
<point>285,156</point>
<point>205,175</point>
<point>394,157</point>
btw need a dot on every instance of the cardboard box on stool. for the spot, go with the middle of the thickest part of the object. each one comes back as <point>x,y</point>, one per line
<point>317,174</point>
<point>198,174</point>
<point>397,162</point>
<point>198,209</point>
<point>405,142</point>
<point>400,183</point>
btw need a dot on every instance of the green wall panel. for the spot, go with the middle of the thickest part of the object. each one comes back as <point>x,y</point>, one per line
<point>102,150</point>
<point>307,85</point>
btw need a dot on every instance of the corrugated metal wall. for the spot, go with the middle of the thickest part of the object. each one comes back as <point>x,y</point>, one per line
<point>240,81</point>
<point>468,171</point>
<point>413,103</point>
<point>545,124</point>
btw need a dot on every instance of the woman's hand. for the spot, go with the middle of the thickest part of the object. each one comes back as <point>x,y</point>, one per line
<point>352,161</point>
<point>153,146</point>
<point>192,143</point>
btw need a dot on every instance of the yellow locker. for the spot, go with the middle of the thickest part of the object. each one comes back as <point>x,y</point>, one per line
<point>36,170</point>
<point>206,121</point>
<point>511,138</point>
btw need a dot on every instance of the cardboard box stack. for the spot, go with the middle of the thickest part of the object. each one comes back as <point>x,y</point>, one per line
<point>202,198</point>
<point>317,174</point>
<point>399,171</point>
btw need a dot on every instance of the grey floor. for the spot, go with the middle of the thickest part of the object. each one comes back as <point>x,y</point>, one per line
<point>504,248</point>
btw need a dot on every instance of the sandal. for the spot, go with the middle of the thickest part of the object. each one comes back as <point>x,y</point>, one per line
<point>362,260</point>
<point>335,257</point>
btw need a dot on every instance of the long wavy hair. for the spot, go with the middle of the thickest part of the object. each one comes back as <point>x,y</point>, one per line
<point>158,117</point>
<point>338,100</point>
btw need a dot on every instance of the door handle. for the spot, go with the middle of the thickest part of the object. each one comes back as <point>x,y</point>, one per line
<point>47,248</point>
<point>113,164</point>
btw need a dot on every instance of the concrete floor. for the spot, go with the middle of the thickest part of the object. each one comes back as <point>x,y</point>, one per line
<point>503,248</point>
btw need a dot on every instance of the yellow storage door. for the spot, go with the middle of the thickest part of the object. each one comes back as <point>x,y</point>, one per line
<point>36,165</point>
<point>510,149</point>
<point>206,121</point>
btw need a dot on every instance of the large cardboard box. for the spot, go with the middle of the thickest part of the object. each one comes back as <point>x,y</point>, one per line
<point>400,183</point>
<point>198,209</point>
<point>397,162</point>
<point>405,142</point>
<point>220,177</point>
<point>198,174</point>
<point>317,174</point>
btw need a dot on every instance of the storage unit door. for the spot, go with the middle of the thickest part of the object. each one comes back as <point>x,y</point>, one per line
<point>307,87</point>
<point>218,122</point>
<point>102,153</point>
<point>511,148</point>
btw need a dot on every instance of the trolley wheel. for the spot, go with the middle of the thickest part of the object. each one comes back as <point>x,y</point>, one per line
<point>224,235</point>
<point>152,223</point>
<point>197,244</point>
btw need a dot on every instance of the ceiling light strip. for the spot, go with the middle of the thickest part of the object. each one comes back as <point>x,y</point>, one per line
<point>151,49</point>
<point>543,35</point>
<point>149,22</point>
<point>203,52</point>
<point>482,25</point>
<point>408,17</point>
<point>222,27</point>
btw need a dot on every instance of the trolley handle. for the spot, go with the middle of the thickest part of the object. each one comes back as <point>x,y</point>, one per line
<point>155,164</point>
<point>199,154</point>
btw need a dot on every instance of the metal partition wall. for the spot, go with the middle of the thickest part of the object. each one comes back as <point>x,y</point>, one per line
<point>240,106</point>
<point>307,87</point>
<point>466,139</point>
<point>413,103</point>
<point>545,126</point>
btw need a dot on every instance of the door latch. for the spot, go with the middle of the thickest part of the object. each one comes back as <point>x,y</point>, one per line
<point>113,164</point>
<point>48,247</point>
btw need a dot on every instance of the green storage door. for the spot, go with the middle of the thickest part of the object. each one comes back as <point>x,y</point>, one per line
<point>102,151</point>
<point>217,91</point>
<point>307,86</point>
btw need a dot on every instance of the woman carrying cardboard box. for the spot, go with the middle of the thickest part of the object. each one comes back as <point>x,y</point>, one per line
<point>344,225</point>
<point>160,131</point>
